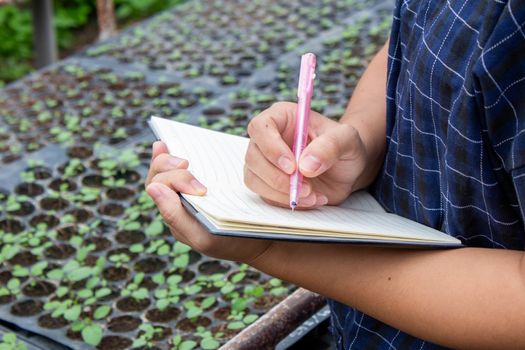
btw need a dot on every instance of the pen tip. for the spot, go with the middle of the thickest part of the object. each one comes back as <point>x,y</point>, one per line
<point>293,205</point>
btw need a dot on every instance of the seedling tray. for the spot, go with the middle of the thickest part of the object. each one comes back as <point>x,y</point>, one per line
<point>84,256</point>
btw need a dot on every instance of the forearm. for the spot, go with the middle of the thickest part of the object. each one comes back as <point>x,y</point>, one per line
<point>459,298</point>
<point>366,111</point>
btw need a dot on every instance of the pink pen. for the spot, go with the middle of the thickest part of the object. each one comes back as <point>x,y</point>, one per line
<point>302,116</point>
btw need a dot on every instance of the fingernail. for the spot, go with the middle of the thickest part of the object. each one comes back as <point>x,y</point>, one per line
<point>310,164</point>
<point>286,164</point>
<point>197,186</point>
<point>321,200</point>
<point>155,191</point>
<point>308,201</point>
<point>174,161</point>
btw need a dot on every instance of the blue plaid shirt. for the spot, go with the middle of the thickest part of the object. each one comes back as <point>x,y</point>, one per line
<point>455,135</point>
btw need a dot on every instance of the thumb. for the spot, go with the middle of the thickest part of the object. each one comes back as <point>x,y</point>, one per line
<point>336,143</point>
<point>168,203</point>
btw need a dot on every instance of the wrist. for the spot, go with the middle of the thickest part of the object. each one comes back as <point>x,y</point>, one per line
<point>374,147</point>
<point>270,261</point>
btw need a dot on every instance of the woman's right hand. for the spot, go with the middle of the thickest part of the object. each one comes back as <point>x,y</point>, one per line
<point>332,162</point>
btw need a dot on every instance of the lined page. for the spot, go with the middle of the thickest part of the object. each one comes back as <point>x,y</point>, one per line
<point>217,160</point>
<point>237,206</point>
<point>214,157</point>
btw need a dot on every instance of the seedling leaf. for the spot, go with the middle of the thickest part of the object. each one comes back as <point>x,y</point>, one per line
<point>92,334</point>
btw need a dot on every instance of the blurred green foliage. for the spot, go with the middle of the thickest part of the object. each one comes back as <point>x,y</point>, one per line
<point>70,17</point>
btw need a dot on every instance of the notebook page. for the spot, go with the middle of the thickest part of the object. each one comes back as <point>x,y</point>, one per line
<point>362,200</point>
<point>214,157</point>
<point>240,206</point>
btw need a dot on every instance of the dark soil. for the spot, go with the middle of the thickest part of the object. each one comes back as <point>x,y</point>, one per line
<point>166,315</point>
<point>38,289</point>
<point>25,258</point>
<point>150,265</point>
<point>27,308</point>
<point>29,189</point>
<point>61,184</point>
<point>222,313</point>
<point>11,158</point>
<point>41,172</point>
<point>74,335</point>
<point>128,175</point>
<point>114,342</point>
<point>59,252</point>
<point>114,273</point>
<point>123,324</point>
<point>212,267</point>
<point>93,180</point>
<point>213,112</point>
<point>100,243</point>
<point>64,233</point>
<point>266,302</point>
<point>46,321</point>
<point>120,193</point>
<point>148,283</point>
<point>188,325</point>
<point>53,203</point>
<point>49,220</point>
<point>5,276</point>
<point>194,256</point>
<point>131,304</point>
<point>187,275</point>
<point>130,237</point>
<point>81,215</point>
<point>111,209</point>
<point>11,226</point>
<point>79,152</point>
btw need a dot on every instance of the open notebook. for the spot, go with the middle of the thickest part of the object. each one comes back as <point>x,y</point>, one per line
<point>230,208</point>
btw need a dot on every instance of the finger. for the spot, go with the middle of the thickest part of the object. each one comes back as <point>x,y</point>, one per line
<point>164,162</point>
<point>274,177</point>
<point>180,180</point>
<point>174,214</point>
<point>336,143</point>
<point>257,185</point>
<point>158,147</point>
<point>270,129</point>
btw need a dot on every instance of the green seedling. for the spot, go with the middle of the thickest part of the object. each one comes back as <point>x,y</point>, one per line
<point>145,338</point>
<point>208,340</point>
<point>10,342</point>
<point>119,259</point>
<point>178,344</point>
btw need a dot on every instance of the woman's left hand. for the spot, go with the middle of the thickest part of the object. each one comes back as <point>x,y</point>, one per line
<point>169,175</point>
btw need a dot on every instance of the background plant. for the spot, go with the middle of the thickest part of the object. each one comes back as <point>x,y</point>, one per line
<point>71,17</point>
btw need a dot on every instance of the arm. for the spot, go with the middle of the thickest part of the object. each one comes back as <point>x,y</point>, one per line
<point>366,112</point>
<point>468,297</point>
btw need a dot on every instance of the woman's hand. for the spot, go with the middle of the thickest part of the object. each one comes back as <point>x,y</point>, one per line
<point>169,175</point>
<point>331,164</point>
